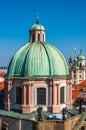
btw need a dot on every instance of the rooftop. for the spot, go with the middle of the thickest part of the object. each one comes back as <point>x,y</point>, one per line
<point>33,115</point>
<point>78,89</point>
<point>2,74</point>
<point>17,115</point>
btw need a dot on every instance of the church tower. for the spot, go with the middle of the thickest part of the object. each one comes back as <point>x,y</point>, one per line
<point>77,68</point>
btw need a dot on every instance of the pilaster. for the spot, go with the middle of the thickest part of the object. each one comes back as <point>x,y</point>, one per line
<point>70,96</point>
<point>56,99</point>
<point>7,96</point>
<point>26,99</point>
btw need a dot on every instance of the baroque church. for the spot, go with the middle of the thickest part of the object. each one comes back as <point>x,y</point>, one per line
<point>38,75</point>
<point>77,68</point>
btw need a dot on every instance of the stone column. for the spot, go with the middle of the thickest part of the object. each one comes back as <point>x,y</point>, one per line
<point>58,94</point>
<point>70,96</point>
<point>20,124</point>
<point>54,95</point>
<point>26,99</point>
<point>7,96</point>
<point>29,95</point>
<point>24,95</point>
<point>56,99</point>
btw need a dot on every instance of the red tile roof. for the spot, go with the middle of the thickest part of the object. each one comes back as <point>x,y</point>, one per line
<point>1,85</point>
<point>81,85</point>
<point>77,89</point>
<point>2,74</point>
<point>75,94</point>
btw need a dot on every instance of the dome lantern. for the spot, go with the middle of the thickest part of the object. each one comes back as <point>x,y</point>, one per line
<point>37,32</point>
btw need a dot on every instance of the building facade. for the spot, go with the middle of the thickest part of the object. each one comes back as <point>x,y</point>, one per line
<point>38,75</point>
<point>77,68</point>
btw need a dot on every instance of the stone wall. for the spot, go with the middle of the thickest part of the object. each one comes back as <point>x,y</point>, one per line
<point>17,123</point>
<point>50,125</point>
<point>25,124</point>
<point>69,124</point>
<point>10,123</point>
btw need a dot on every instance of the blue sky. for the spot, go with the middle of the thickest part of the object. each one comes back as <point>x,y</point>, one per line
<point>64,21</point>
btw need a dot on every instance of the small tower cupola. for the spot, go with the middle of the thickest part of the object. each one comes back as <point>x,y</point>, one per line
<point>70,60</point>
<point>75,65</point>
<point>70,63</point>
<point>37,32</point>
<point>81,59</point>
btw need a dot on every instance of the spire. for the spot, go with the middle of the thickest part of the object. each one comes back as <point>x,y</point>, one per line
<point>70,60</point>
<point>75,57</point>
<point>80,51</point>
<point>70,64</point>
<point>74,52</point>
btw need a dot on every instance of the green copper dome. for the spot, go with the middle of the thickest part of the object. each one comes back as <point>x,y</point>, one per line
<point>75,67</point>
<point>81,57</point>
<point>38,60</point>
<point>37,26</point>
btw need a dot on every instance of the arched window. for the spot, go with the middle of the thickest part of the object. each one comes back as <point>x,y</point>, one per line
<point>18,95</point>
<point>41,96</point>
<point>33,38</point>
<point>74,76</point>
<point>74,82</point>
<point>38,37</point>
<point>62,95</point>
<point>43,37</point>
<point>80,65</point>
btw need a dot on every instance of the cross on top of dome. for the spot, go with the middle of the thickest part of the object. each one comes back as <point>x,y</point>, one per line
<point>37,19</point>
